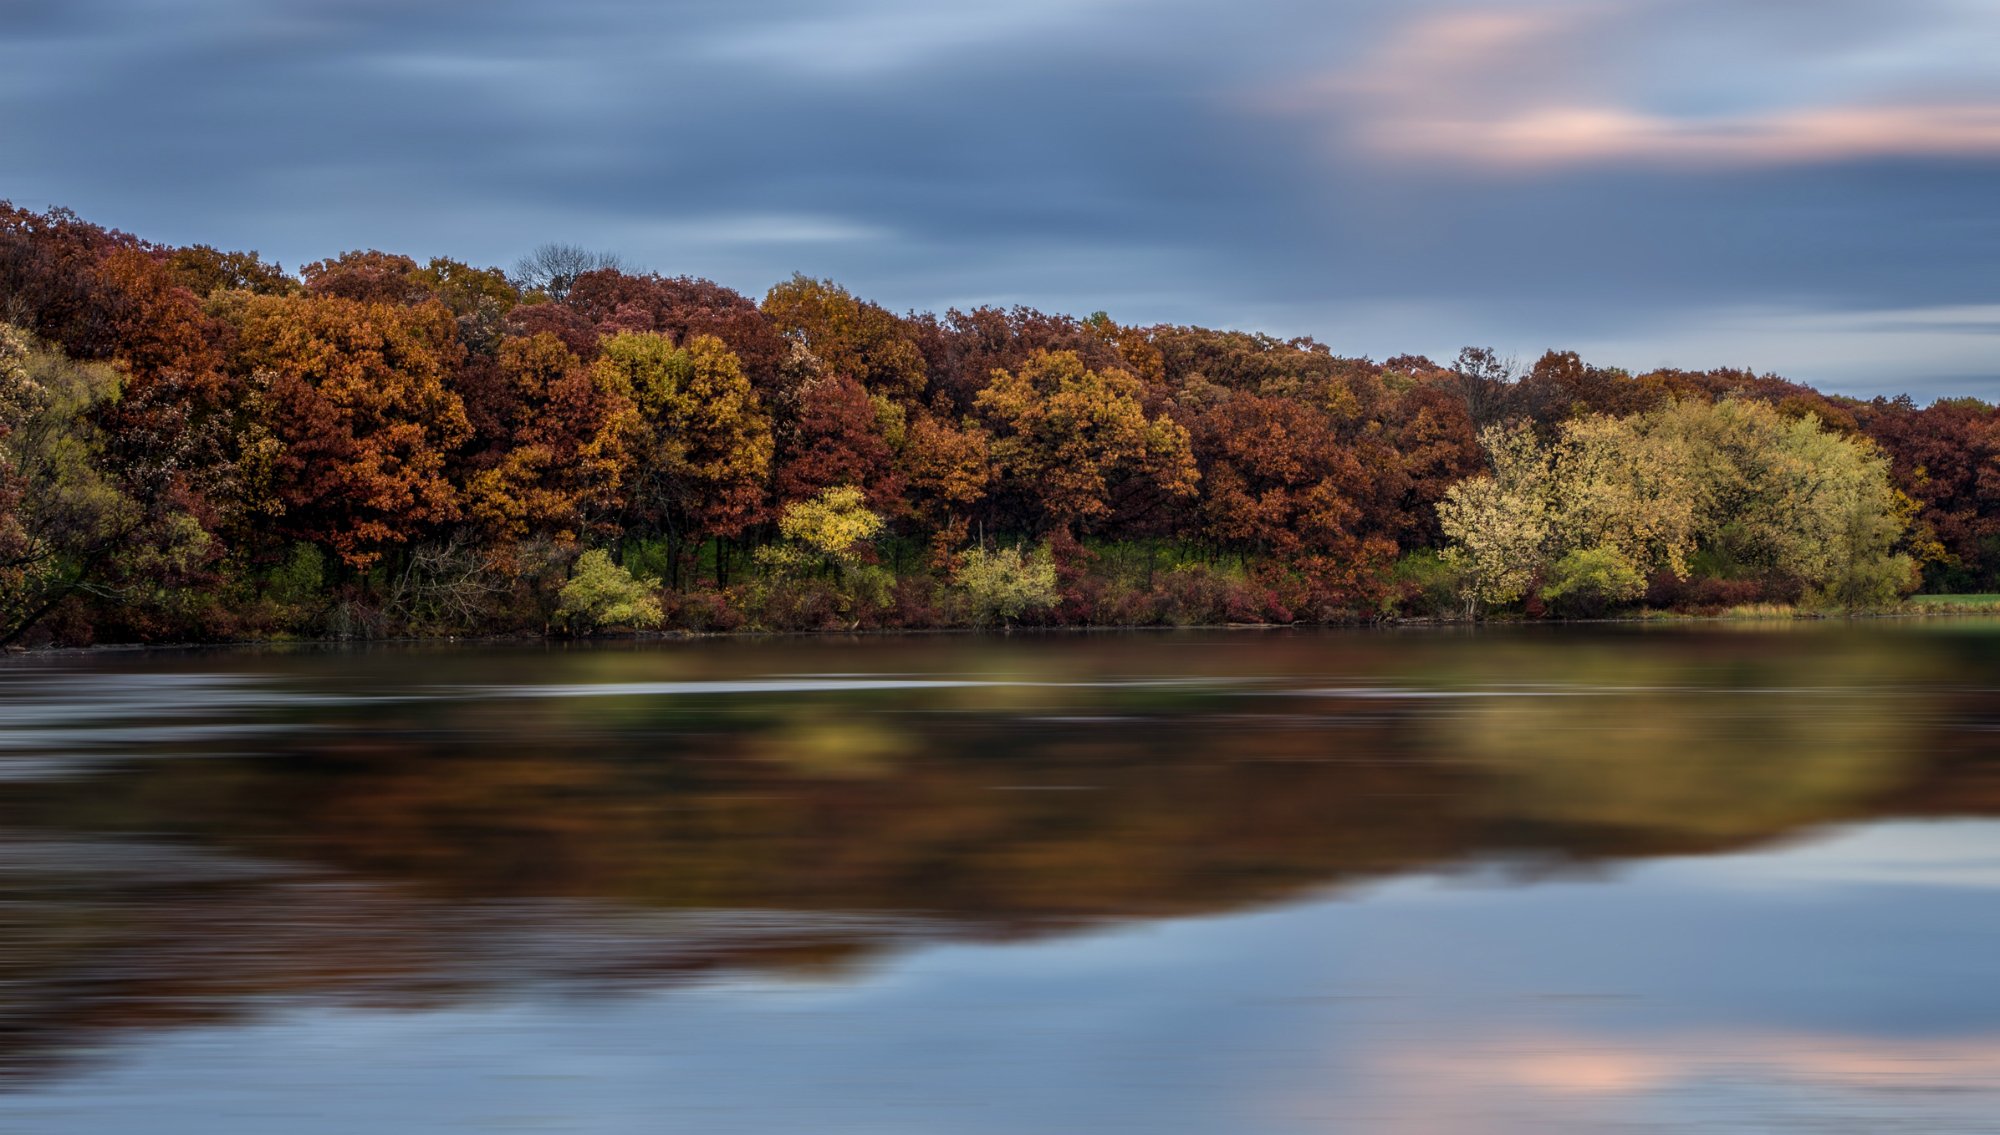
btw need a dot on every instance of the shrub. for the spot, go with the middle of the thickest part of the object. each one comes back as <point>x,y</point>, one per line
<point>602,594</point>
<point>1424,583</point>
<point>1590,581</point>
<point>1001,585</point>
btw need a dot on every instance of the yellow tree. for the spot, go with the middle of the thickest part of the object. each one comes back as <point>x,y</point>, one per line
<point>1498,524</point>
<point>1617,487</point>
<point>695,436</point>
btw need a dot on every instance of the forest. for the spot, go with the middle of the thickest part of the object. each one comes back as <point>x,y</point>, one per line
<point>198,445</point>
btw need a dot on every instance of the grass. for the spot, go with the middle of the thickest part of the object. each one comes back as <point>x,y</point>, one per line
<point>1984,604</point>
<point>1762,611</point>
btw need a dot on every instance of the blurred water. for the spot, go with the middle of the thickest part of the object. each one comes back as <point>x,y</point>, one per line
<point>1527,881</point>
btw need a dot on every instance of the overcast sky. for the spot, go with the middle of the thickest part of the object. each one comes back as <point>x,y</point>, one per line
<point>1804,186</point>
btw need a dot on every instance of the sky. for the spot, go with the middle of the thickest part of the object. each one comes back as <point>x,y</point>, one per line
<point>1807,187</point>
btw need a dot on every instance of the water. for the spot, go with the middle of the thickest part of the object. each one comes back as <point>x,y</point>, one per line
<point>1532,881</point>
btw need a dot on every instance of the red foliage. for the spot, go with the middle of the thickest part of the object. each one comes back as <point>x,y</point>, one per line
<point>836,440</point>
<point>610,301</point>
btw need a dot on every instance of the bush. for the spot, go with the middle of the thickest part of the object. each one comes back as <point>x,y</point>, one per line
<point>602,594</point>
<point>1424,583</point>
<point>1710,595</point>
<point>712,612</point>
<point>826,559</point>
<point>1000,586</point>
<point>1589,581</point>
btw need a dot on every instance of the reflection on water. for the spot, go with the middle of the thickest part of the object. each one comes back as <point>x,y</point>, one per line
<point>1189,882</point>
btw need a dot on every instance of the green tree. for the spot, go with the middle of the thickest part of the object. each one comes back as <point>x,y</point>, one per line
<point>1784,499</point>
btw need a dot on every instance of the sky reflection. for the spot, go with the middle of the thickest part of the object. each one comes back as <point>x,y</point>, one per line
<point>1672,995</point>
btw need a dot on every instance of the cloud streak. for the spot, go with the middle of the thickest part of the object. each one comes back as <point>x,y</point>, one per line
<point>1545,88</point>
<point>1580,135</point>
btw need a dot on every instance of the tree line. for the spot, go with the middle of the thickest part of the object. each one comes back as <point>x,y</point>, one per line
<point>197,444</point>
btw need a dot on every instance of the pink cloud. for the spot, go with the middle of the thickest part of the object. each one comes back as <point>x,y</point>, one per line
<point>1559,86</point>
<point>1580,135</point>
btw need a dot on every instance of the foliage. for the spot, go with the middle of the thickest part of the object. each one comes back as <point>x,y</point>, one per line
<point>352,419</point>
<point>67,523</point>
<point>1070,442</point>
<point>847,337</point>
<point>695,440</point>
<point>1590,581</point>
<point>602,594</point>
<point>829,537</point>
<point>835,525</point>
<point>1735,485</point>
<point>195,444</point>
<point>1002,585</point>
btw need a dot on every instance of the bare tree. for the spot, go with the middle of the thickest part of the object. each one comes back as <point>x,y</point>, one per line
<point>552,268</point>
<point>1486,382</point>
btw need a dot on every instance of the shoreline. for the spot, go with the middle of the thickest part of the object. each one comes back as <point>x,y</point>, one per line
<point>1648,618</point>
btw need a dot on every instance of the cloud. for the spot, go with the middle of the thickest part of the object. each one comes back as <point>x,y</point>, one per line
<point>1656,176</point>
<point>865,37</point>
<point>1548,87</point>
<point>1553,136</point>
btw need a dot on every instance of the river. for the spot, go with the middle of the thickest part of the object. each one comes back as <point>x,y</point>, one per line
<point>1701,878</point>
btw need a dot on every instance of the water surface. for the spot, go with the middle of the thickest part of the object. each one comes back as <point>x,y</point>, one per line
<point>1525,881</point>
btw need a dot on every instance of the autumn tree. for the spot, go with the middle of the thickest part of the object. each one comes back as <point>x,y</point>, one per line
<point>553,462</point>
<point>848,336</point>
<point>366,276</point>
<point>1003,584</point>
<point>1278,481</point>
<point>1433,445</point>
<point>946,470</point>
<point>600,593</point>
<point>203,270</point>
<point>681,307</point>
<point>837,438</point>
<point>1498,523</point>
<point>696,442</point>
<point>69,525</point>
<point>352,420</point>
<point>1784,499</point>
<point>1068,442</point>
<point>1947,458</point>
<point>1735,485</point>
<point>962,349</point>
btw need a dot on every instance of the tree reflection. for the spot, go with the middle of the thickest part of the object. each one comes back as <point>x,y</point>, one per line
<point>492,820</point>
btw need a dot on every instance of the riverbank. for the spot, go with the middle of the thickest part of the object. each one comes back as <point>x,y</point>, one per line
<point>1917,608</point>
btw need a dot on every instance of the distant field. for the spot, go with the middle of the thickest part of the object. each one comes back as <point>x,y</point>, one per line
<point>1987,600</point>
